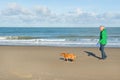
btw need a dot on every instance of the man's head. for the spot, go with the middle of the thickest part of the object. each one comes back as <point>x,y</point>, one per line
<point>101,28</point>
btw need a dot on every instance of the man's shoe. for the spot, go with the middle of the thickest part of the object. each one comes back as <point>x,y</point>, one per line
<point>103,58</point>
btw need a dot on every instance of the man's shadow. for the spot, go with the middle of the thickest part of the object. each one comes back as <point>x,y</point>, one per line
<point>92,54</point>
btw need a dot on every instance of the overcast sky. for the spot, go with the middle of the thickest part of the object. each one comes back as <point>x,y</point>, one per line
<point>59,13</point>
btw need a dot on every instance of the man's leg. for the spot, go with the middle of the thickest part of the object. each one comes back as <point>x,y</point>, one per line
<point>102,51</point>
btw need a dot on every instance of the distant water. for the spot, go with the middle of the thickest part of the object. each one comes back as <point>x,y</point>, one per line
<point>67,37</point>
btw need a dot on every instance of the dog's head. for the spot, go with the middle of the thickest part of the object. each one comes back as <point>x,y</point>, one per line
<point>62,54</point>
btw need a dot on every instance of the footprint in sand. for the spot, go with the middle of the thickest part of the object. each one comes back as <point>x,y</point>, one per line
<point>22,75</point>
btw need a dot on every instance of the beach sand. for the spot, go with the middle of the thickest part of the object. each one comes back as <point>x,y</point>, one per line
<point>45,63</point>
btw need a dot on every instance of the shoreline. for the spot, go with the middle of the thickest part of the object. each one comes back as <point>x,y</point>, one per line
<point>55,46</point>
<point>45,63</point>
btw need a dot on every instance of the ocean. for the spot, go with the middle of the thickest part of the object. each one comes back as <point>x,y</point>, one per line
<point>60,37</point>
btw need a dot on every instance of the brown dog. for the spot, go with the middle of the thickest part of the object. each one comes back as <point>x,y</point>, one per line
<point>68,56</point>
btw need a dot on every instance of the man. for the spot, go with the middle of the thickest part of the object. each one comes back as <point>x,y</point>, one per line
<point>103,41</point>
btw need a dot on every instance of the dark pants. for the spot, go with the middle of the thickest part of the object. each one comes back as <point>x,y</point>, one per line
<point>102,51</point>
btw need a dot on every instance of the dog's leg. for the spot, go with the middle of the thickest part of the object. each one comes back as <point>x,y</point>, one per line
<point>66,59</point>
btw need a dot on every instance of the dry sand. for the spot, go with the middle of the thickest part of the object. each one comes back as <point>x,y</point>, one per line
<point>45,63</point>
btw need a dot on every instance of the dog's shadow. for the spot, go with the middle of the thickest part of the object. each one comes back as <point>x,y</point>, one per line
<point>70,60</point>
<point>92,54</point>
<point>61,58</point>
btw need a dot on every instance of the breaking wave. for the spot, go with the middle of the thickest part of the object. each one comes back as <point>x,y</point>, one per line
<point>63,42</point>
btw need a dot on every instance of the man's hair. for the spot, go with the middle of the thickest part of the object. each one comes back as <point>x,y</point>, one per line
<point>102,26</point>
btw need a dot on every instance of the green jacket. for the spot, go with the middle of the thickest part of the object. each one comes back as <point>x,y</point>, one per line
<point>103,37</point>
